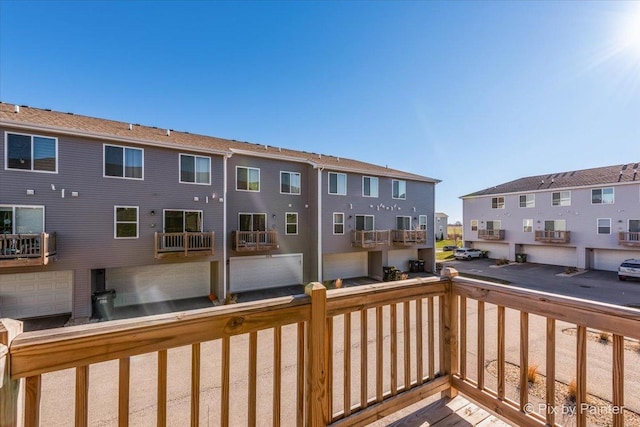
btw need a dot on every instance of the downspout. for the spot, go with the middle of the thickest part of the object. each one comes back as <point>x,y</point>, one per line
<point>224,226</point>
<point>319,246</point>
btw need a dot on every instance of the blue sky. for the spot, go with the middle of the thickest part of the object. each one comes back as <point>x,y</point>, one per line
<point>472,93</point>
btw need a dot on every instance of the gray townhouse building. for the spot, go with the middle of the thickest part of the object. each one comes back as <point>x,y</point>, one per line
<point>588,219</point>
<point>88,204</point>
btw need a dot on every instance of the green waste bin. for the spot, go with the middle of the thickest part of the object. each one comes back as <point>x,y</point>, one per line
<point>521,258</point>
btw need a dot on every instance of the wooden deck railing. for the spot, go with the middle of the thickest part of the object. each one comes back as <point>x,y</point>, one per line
<point>409,237</point>
<point>552,236</point>
<point>27,249</point>
<point>184,244</point>
<point>629,238</point>
<point>491,234</point>
<point>345,357</point>
<point>370,238</point>
<point>254,241</point>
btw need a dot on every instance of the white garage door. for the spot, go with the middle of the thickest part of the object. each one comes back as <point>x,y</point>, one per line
<point>262,272</point>
<point>35,294</point>
<point>496,250</point>
<point>551,255</point>
<point>609,259</point>
<point>155,283</point>
<point>399,258</point>
<point>344,266</point>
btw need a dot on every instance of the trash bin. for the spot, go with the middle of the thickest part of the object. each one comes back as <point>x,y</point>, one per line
<point>414,265</point>
<point>103,303</point>
<point>521,258</point>
<point>420,265</point>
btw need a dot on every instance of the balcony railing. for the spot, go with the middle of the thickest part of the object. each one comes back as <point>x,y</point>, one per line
<point>370,238</point>
<point>343,357</point>
<point>184,244</point>
<point>254,241</point>
<point>552,236</point>
<point>491,234</point>
<point>629,238</point>
<point>409,237</point>
<point>18,250</point>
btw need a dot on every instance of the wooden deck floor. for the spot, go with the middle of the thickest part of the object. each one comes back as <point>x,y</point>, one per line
<point>443,413</point>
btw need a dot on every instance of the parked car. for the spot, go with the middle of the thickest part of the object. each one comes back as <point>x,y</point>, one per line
<point>467,253</point>
<point>449,248</point>
<point>629,268</point>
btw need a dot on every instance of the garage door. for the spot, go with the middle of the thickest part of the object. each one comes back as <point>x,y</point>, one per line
<point>264,272</point>
<point>344,266</point>
<point>609,259</point>
<point>496,250</point>
<point>399,258</point>
<point>155,283</point>
<point>551,255</point>
<point>35,294</point>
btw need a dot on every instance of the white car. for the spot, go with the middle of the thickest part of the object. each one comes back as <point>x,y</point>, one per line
<point>467,253</point>
<point>629,268</point>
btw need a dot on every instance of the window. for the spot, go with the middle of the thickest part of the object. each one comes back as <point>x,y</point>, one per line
<point>123,162</point>
<point>403,223</point>
<point>126,222</point>
<point>604,225</point>
<point>369,186</point>
<point>21,219</point>
<point>289,183</point>
<point>527,225</point>
<point>497,202</point>
<point>527,200</point>
<point>364,223</point>
<point>561,198</point>
<point>494,225</point>
<point>399,189</point>
<point>602,196</point>
<point>179,221</point>
<point>291,223</point>
<point>555,225</point>
<point>338,223</point>
<point>474,225</point>
<point>422,222</point>
<point>247,179</point>
<point>634,226</point>
<point>253,221</point>
<point>337,183</point>
<point>31,153</point>
<point>195,169</point>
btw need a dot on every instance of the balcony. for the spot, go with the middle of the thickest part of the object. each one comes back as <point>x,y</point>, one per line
<point>18,250</point>
<point>409,237</point>
<point>552,236</point>
<point>370,238</point>
<point>629,238</point>
<point>491,234</point>
<point>342,357</point>
<point>183,244</point>
<point>254,241</point>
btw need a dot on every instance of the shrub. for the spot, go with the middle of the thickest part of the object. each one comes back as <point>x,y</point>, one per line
<point>502,261</point>
<point>532,374</point>
<point>572,391</point>
<point>570,270</point>
<point>604,337</point>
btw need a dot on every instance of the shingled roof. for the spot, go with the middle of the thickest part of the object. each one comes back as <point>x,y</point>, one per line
<point>607,175</point>
<point>24,117</point>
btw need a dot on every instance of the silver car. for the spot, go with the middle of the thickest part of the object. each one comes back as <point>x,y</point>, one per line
<point>467,253</point>
<point>629,268</point>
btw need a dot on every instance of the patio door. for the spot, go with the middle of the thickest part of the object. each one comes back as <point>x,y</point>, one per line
<point>253,222</point>
<point>634,226</point>
<point>179,221</point>
<point>403,223</point>
<point>21,219</point>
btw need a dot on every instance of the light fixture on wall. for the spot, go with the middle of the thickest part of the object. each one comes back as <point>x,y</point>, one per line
<point>152,213</point>
<point>273,216</point>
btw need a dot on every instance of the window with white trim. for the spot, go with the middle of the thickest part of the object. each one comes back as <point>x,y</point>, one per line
<point>555,225</point>
<point>31,153</point>
<point>403,223</point>
<point>604,225</point>
<point>364,223</point>
<point>399,189</point>
<point>474,225</point>
<point>422,222</point>
<point>247,179</point>
<point>289,182</point>
<point>561,198</point>
<point>123,162</point>
<point>252,221</point>
<point>125,222</point>
<point>182,221</point>
<point>527,200</point>
<point>369,186</point>
<point>337,183</point>
<point>21,219</point>
<point>497,202</point>
<point>291,223</point>
<point>494,225</point>
<point>527,225</point>
<point>195,169</point>
<point>602,196</point>
<point>338,223</point>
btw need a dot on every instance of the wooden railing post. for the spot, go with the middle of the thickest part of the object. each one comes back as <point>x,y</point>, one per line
<point>450,339</point>
<point>10,390</point>
<point>317,357</point>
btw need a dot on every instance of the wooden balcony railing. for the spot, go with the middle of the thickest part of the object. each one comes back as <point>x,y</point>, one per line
<point>345,357</point>
<point>409,237</point>
<point>491,234</point>
<point>254,241</point>
<point>552,236</point>
<point>629,238</point>
<point>370,238</point>
<point>18,250</point>
<point>183,244</point>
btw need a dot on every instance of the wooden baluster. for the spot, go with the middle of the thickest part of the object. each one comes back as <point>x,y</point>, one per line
<point>301,370</point>
<point>82,396</point>
<point>364,399</point>
<point>32,401</point>
<point>195,384</point>
<point>551,370</point>
<point>123,392</point>
<point>317,369</point>
<point>480,333</point>
<point>347,365</point>
<point>162,388</point>
<point>253,376</point>
<point>407,345</point>
<point>379,354</point>
<point>394,349</point>
<point>225,368</point>
<point>501,352</point>
<point>581,376</point>
<point>524,359</point>
<point>419,355</point>
<point>277,374</point>
<point>431,337</point>
<point>618,380</point>
<point>463,338</point>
